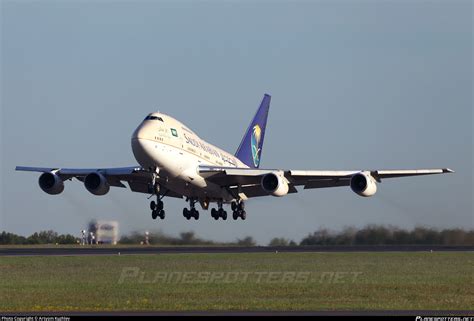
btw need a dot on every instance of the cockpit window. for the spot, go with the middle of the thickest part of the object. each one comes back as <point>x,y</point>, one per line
<point>150,117</point>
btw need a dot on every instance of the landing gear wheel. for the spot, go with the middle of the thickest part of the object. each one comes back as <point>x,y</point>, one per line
<point>186,213</point>
<point>224,215</point>
<point>159,205</point>
<point>214,213</point>
<point>243,215</point>
<point>162,214</point>
<point>233,206</point>
<point>157,208</point>
<point>235,216</point>
<point>191,212</point>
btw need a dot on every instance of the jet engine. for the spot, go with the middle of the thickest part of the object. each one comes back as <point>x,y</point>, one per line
<point>97,184</point>
<point>363,184</point>
<point>275,184</point>
<point>51,183</point>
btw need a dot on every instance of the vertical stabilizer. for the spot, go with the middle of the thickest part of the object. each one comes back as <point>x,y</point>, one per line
<point>250,149</point>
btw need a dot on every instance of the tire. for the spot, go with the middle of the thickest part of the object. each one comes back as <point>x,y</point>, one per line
<point>196,215</point>
<point>224,215</point>
<point>243,215</point>
<point>185,212</point>
<point>154,214</point>
<point>162,214</point>
<point>233,206</point>
<point>234,215</point>
<point>152,205</point>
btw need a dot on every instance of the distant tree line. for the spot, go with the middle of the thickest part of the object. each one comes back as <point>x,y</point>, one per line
<point>369,235</point>
<point>185,238</point>
<point>389,235</point>
<point>43,237</point>
<point>156,238</point>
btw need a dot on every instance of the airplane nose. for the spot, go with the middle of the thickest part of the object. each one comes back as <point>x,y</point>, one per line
<point>141,146</point>
<point>145,130</point>
<point>138,133</point>
<point>142,151</point>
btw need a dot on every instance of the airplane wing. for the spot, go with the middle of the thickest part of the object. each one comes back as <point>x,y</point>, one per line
<point>247,182</point>
<point>137,178</point>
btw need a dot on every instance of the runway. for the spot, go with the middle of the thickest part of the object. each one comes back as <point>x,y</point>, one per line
<point>121,250</point>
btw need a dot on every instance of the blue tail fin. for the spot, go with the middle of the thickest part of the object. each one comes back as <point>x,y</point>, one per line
<point>250,149</point>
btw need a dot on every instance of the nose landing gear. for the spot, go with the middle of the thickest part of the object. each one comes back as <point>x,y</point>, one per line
<point>157,209</point>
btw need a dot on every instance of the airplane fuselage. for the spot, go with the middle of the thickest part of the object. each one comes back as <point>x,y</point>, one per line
<point>165,145</point>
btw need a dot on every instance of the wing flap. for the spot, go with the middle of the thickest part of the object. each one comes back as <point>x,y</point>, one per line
<point>231,176</point>
<point>35,169</point>
<point>405,173</point>
<point>81,171</point>
<point>256,191</point>
<point>325,183</point>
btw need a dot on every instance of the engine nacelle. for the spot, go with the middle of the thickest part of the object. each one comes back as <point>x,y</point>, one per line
<point>363,184</point>
<point>275,184</point>
<point>97,184</point>
<point>51,183</point>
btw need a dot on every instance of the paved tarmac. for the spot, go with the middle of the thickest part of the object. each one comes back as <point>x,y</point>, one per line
<point>116,250</point>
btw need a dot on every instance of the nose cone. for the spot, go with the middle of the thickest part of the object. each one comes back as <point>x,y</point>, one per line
<point>140,132</point>
<point>142,146</point>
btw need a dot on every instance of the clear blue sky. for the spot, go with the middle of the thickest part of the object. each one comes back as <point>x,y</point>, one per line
<point>354,85</point>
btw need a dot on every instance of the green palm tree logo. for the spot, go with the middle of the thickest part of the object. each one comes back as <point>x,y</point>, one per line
<point>255,143</point>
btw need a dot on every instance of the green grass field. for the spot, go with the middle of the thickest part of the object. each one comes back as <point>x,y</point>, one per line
<point>261,281</point>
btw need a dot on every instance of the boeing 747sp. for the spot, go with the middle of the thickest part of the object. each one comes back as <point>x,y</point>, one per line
<point>175,162</point>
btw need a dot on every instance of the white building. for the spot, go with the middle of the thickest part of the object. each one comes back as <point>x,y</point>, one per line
<point>105,232</point>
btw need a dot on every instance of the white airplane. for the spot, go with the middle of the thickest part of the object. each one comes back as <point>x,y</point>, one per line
<point>175,162</point>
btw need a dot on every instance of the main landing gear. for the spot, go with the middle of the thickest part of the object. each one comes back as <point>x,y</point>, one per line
<point>192,212</point>
<point>219,212</point>
<point>238,210</point>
